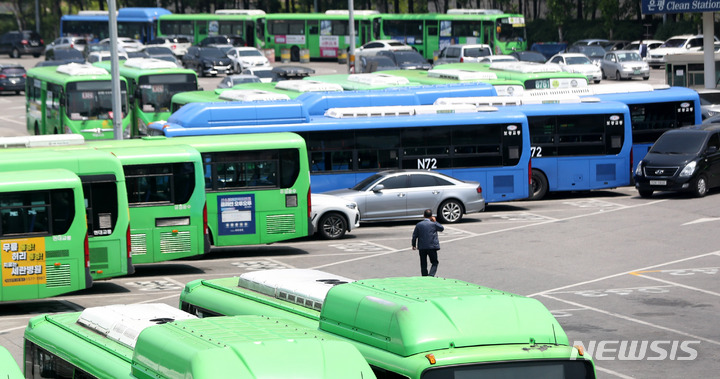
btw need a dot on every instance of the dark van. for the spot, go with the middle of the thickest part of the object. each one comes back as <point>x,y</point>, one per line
<point>685,159</point>
<point>19,43</point>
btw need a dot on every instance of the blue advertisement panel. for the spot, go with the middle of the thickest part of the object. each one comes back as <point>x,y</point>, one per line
<point>236,214</point>
<point>679,6</point>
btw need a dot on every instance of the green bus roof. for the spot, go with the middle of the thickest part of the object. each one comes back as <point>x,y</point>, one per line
<point>371,81</point>
<point>133,67</point>
<point>75,73</point>
<point>25,180</point>
<point>227,142</point>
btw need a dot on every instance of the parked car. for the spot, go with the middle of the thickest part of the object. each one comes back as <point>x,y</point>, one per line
<point>405,194</point>
<point>266,74</point>
<point>675,45</point>
<point>498,58</point>
<point>77,43</point>
<point>99,56</point>
<point>650,43</point>
<point>245,57</point>
<point>612,45</point>
<point>127,44</point>
<point>177,44</point>
<point>406,59</point>
<point>18,43</point>
<point>137,54</point>
<point>162,52</point>
<point>374,63</point>
<point>685,159</point>
<point>463,53</point>
<point>589,41</point>
<point>372,47</point>
<point>290,72</point>
<point>578,63</point>
<point>594,52</point>
<point>12,78</point>
<point>233,80</point>
<point>66,54</point>
<point>333,216</point>
<point>709,102</point>
<point>529,56</point>
<point>624,64</point>
<point>207,61</point>
<point>222,41</point>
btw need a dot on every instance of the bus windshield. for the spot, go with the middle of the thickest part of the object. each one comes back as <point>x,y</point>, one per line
<point>510,29</point>
<point>92,100</point>
<point>529,369</point>
<point>156,91</point>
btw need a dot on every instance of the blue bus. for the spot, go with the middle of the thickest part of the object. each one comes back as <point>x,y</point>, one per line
<point>137,23</point>
<point>346,145</point>
<point>576,144</point>
<point>653,109</point>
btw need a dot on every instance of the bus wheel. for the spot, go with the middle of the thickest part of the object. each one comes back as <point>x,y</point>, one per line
<point>645,193</point>
<point>295,54</point>
<point>37,129</point>
<point>332,226</point>
<point>539,185</point>
<point>700,187</point>
<point>451,211</point>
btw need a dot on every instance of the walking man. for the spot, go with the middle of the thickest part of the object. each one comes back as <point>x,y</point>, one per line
<point>425,238</point>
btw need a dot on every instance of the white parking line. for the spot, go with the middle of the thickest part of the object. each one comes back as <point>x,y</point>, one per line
<point>677,284</point>
<point>12,120</point>
<point>611,372</point>
<point>632,319</point>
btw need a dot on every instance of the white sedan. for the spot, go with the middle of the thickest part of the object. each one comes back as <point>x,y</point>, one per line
<point>246,57</point>
<point>372,47</point>
<point>127,44</point>
<point>332,216</point>
<point>578,63</point>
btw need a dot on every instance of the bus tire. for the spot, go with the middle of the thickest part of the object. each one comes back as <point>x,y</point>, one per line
<point>37,129</point>
<point>295,54</point>
<point>700,186</point>
<point>332,226</point>
<point>450,211</point>
<point>645,193</point>
<point>538,184</point>
<point>15,53</point>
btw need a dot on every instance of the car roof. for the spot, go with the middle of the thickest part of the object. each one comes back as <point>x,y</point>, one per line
<point>699,127</point>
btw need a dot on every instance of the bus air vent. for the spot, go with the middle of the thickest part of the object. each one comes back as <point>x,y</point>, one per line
<point>138,241</point>
<point>401,110</point>
<point>376,79</point>
<point>308,86</point>
<point>526,68</point>
<point>280,224</point>
<point>461,75</point>
<point>80,69</point>
<point>251,95</point>
<point>58,276</point>
<point>123,323</point>
<point>180,242</point>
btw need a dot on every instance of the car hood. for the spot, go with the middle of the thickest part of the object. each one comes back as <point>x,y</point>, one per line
<point>667,50</point>
<point>322,201</point>
<point>634,64</point>
<point>345,193</point>
<point>583,68</point>
<point>222,61</point>
<point>655,159</point>
<point>415,66</point>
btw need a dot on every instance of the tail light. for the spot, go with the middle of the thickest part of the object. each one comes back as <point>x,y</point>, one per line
<point>173,47</point>
<point>72,45</point>
<point>309,204</point>
<point>3,76</point>
<point>205,220</point>
<point>129,245</point>
<point>530,172</point>
<point>41,41</point>
<point>87,252</point>
<point>479,190</point>
<point>462,59</point>
<point>24,42</point>
<point>24,76</point>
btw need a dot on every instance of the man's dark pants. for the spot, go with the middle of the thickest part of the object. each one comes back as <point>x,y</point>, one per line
<point>432,254</point>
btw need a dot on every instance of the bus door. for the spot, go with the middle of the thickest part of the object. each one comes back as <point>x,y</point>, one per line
<point>53,112</point>
<point>249,33</point>
<point>488,35</point>
<point>431,38</point>
<point>365,32</point>
<point>315,31</point>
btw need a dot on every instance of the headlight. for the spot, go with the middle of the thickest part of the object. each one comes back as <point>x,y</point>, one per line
<point>711,113</point>
<point>638,170</point>
<point>688,170</point>
<point>351,205</point>
<point>142,127</point>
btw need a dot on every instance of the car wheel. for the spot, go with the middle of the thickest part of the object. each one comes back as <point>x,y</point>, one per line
<point>451,211</point>
<point>597,81</point>
<point>617,75</point>
<point>37,129</point>
<point>603,74</point>
<point>332,226</point>
<point>295,54</point>
<point>15,53</point>
<point>646,78</point>
<point>539,185</point>
<point>36,55</point>
<point>199,71</point>
<point>645,193</point>
<point>700,187</point>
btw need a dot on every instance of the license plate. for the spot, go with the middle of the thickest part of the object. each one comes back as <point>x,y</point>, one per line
<point>33,43</point>
<point>637,72</point>
<point>658,182</point>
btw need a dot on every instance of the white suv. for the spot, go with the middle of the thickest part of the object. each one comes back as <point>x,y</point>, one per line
<point>332,216</point>
<point>463,53</point>
<point>675,45</point>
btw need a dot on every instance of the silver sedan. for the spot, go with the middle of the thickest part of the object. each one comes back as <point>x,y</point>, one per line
<point>624,64</point>
<point>405,194</point>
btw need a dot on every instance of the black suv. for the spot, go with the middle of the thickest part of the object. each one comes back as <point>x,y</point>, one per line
<point>18,43</point>
<point>207,60</point>
<point>12,78</point>
<point>684,159</point>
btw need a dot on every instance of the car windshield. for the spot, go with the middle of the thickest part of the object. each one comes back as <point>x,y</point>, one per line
<point>13,71</point>
<point>63,54</point>
<point>674,42</point>
<point>212,53</point>
<point>593,51</point>
<point>160,50</point>
<point>477,52</point>
<point>264,74</point>
<point>395,44</point>
<point>529,56</point>
<point>629,57</point>
<point>249,53</point>
<point>409,57</point>
<point>365,184</point>
<point>679,143</point>
<point>710,97</point>
<point>577,60</point>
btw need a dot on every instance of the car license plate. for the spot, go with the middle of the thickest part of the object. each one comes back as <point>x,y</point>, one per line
<point>637,72</point>
<point>658,182</point>
<point>33,43</point>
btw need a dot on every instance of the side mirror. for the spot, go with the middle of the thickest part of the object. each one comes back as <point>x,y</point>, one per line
<point>378,188</point>
<point>711,150</point>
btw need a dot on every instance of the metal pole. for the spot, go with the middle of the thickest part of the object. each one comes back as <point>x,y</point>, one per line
<point>117,115</point>
<point>351,53</point>
<point>37,16</point>
<point>709,50</point>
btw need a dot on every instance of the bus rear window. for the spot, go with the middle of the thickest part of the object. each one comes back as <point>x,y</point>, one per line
<point>577,369</point>
<point>171,183</point>
<point>257,168</point>
<point>36,212</point>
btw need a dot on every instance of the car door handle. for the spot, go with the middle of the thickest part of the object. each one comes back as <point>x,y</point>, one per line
<point>401,194</point>
<point>435,192</point>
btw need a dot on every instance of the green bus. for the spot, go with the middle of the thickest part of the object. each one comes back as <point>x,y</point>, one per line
<point>152,84</point>
<point>165,188</point>
<point>246,23</point>
<point>105,200</point>
<point>282,90</point>
<point>43,235</point>
<point>257,186</point>
<point>531,75</point>
<point>158,341</point>
<point>430,32</point>
<point>503,87</point>
<point>9,369</point>
<point>413,327</point>
<point>73,98</point>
